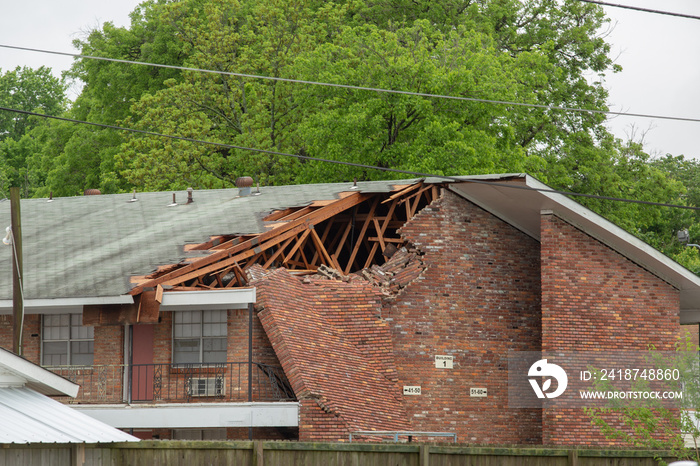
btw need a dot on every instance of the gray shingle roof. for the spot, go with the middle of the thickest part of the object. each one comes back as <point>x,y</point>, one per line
<point>89,246</point>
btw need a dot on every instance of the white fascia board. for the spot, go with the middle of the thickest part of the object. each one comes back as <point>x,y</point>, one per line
<point>618,239</point>
<point>234,298</point>
<point>64,305</point>
<point>37,378</point>
<point>195,415</point>
<point>9,379</point>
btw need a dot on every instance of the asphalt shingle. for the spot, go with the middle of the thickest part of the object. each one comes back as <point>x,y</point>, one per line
<point>90,246</point>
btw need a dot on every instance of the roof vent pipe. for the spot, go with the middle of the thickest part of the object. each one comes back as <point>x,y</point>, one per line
<point>91,192</point>
<point>244,183</point>
<point>190,200</point>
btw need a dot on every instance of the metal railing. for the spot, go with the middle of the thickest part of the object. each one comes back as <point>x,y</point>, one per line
<point>177,383</point>
<point>396,434</point>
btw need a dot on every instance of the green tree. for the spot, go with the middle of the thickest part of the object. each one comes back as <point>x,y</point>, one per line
<point>259,38</point>
<point>408,132</point>
<point>686,171</point>
<point>110,89</point>
<point>650,422</point>
<point>560,47</point>
<point>30,90</point>
<point>526,52</point>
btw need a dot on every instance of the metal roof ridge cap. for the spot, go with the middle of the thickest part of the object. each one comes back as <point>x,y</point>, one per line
<point>597,219</point>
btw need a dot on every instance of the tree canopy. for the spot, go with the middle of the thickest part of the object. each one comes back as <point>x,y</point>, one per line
<point>489,56</point>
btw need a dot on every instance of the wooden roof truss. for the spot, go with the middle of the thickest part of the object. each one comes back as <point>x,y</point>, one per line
<point>346,234</point>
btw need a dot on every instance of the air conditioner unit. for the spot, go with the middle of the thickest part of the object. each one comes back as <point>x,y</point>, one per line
<point>205,386</point>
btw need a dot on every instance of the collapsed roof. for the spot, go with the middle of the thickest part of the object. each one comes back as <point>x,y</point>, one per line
<point>109,249</point>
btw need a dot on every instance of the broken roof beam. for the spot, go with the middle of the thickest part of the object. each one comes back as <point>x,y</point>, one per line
<point>277,253</point>
<point>322,239</point>
<point>286,241</point>
<point>297,245</point>
<point>312,218</point>
<point>402,192</point>
<point>361,235</point>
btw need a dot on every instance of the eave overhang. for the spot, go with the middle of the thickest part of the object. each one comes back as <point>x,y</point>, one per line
<point>209,300</point>
<point>65,305</point>
<point>34,377</point>
<point>521,199</point>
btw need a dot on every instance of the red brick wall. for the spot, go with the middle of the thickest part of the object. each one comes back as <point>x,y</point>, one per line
<point>109,345</point>
<point>594,299</point>
<point>336,352</point>
<point>478,298</point>
<point>31,335</point>
<point>317,425</point>
<point>237,351</point>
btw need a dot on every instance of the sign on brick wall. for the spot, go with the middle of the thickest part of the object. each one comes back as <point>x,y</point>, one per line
<point>411,390</point>
<point>444,362</point>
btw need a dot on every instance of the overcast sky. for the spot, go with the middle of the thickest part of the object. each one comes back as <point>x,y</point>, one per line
<point>660,56</point>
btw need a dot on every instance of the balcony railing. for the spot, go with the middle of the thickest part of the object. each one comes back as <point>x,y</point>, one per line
<point>177,383</point>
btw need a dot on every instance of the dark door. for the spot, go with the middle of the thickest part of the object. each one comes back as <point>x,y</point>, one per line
<point>142,363</point>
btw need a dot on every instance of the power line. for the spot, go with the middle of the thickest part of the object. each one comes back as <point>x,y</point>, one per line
<point>361,88</point>
<point>646,10</point>
<point>349,164</point>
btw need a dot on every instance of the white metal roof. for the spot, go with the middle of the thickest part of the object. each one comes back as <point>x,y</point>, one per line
<point>30,417</point>
<point>16,371</point>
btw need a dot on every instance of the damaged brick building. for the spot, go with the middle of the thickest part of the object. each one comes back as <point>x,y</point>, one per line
<point>315,312</point>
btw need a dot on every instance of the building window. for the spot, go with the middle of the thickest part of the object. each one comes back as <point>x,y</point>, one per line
<point>199,337</point>
<point>199,434</point>
<point>65,341</point>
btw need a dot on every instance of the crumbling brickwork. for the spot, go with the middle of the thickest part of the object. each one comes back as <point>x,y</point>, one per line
<point>478,298</point>
<point>336,352</point>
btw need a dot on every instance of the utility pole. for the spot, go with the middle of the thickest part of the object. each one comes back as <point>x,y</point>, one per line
<point>17,293</point>
<point>250,367</point>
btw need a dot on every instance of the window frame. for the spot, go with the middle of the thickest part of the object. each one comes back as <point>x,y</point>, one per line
<point>200,337</point>
<point>69,340</point>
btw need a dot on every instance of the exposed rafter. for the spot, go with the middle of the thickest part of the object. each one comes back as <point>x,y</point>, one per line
<point>347,234</point>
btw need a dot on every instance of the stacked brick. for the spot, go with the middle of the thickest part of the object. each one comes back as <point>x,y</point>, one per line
<point>477,299</point>
<point>594,299</point>
<point>336,353</point>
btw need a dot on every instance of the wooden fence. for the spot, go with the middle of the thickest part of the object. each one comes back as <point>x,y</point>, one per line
<point>268,453</point>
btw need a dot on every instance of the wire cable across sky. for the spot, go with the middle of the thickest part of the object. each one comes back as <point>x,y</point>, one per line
<point>345,163</point>
<point>645,10</point>
<point>360,88</point>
